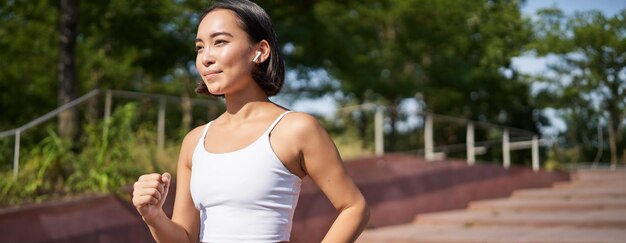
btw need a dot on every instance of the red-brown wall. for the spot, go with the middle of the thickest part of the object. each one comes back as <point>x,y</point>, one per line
<point>397,188</point>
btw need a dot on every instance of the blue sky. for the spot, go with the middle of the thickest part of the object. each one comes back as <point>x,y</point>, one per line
<point>609,7</point>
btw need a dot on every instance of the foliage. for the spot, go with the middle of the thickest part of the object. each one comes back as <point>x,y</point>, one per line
<point>130,45</point>
<point>105,163</point>
<point>588,84</point>
<point>112,156</point>
<point>453,56</point>
<point>44,172</point>
<point>28,53</point>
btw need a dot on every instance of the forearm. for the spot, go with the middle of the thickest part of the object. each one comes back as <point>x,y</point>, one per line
<point>349,224</point>
<point>164,230</point>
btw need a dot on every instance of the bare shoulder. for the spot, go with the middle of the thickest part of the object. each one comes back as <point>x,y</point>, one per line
<point>193,136</point>
<point>302,124</point>
<point>304,132</point>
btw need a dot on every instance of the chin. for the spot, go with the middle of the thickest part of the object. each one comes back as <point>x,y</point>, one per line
<point>216,92</point>
<point>214,89</point>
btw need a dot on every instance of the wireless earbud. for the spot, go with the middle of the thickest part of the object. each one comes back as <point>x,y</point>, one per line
<point>256,58</point>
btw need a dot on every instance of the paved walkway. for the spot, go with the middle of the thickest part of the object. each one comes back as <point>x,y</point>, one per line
<point>590,208</point>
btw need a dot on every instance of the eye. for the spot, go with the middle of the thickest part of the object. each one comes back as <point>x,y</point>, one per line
<point>220,42</point>
<point>199,48</point>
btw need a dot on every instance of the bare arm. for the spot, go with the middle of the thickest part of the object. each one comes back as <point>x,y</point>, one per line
<point>151,190</point>
<point>323,164</point>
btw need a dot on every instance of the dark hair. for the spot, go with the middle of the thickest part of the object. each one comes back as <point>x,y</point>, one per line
<point>270,74</point>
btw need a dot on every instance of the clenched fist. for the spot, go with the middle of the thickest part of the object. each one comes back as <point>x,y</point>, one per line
<point>149,193</point>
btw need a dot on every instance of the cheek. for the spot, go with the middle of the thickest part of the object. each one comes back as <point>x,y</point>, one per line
<point>198,62</point>
<point>241,63</point>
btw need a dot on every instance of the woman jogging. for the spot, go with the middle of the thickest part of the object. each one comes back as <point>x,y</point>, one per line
<point>239,176</point>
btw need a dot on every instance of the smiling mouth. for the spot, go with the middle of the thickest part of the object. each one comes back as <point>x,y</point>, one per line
<point>211,74</point>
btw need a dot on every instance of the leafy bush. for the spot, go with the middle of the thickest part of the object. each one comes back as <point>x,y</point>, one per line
<point>105,163</point>
<point>42,174</point>
<point>110,155</point>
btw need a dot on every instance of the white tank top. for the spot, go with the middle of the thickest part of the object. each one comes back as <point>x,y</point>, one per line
<point>247,195</point>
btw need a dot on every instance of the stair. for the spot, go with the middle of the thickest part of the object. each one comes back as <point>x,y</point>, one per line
<point>590,208</point>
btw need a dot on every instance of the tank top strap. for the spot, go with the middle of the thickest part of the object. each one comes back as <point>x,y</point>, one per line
<point>206,129</point>
<point>269,129</point>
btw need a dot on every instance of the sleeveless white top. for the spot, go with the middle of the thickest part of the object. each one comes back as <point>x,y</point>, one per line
<point>247,195</point>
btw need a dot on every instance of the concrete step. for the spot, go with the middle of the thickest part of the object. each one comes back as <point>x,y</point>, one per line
<point>565,193</point>
<point>553,204</point>
<point>594,218</point>
<point>592,208</point>
<point>591,175</point>
<point>504,234</point>
<point>590,184</point>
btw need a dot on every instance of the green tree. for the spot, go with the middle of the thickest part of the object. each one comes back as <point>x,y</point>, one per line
<point>28,56</point>
<point>454,55</point>
<point>591,72</point>
<point>66,73</point>
<point>131,45</point>
<point>139,45</point>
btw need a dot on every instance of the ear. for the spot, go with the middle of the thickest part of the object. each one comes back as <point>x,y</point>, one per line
<point>263,47</point>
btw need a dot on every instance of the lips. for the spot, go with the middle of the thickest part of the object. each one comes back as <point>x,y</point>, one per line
<point>210,73</point>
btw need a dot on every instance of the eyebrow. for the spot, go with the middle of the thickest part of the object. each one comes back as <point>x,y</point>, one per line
<point>213,35</point>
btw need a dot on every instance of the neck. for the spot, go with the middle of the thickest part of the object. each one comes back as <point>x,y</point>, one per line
<point>243,104</point>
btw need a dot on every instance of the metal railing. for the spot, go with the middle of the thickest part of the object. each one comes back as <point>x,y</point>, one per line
<point>163,99</point>
<point>17,132</point>
<point>471,146</point>
<point>474,148</point>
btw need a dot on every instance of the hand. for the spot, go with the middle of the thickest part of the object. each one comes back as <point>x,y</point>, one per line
<point>149,194</point>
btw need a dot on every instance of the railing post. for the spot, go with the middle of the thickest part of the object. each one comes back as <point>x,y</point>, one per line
<point>107,114</point>
<point>107,107</point>
<point>161,125</point>
<point>428,138</point>
<point>506,151</point>
<point>535,153</point>
<point>379,133</point>
<point>471,155</point>
<point>16,153</point>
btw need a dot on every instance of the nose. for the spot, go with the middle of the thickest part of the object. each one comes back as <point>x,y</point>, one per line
<point>207,57</point>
